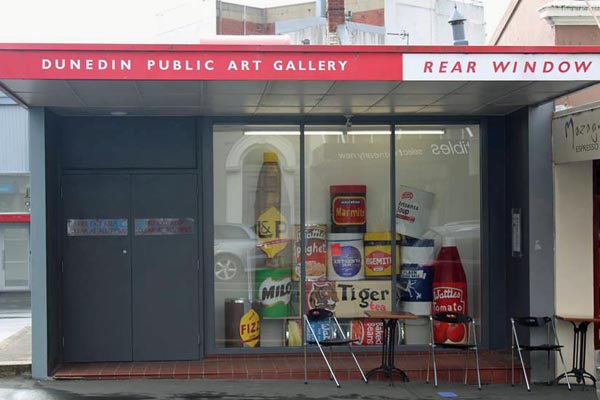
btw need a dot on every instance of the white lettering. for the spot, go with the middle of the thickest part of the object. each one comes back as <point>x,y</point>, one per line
<point>75,64</point>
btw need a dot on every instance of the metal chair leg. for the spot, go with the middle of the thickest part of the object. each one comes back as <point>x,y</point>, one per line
<point>357,364</point>
<point>562,360</point>
<point>428,364</point>
<point>466,364</point>
<point>329,366</point>
<point>476,355</point>
<point>477,366</point>
<point>435,379</point>
<point>560,354</point>
<point>512,356</point>
<point>520,355</point>
<point>305,367</point>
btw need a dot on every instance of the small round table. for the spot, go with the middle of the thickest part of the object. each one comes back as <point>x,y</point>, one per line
<point>580,325</point>
<point>390,319</point>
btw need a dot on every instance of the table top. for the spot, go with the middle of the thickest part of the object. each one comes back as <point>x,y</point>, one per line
<point>570,318</point>
<point>391,315</point>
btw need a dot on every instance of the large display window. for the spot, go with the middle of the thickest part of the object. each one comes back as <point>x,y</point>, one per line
<point>391,223</point>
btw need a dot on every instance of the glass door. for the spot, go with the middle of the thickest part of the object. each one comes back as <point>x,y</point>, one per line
<point>14,257</point>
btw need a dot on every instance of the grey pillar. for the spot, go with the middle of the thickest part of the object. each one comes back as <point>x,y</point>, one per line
<point>39,318</point>
<point>541,228</point>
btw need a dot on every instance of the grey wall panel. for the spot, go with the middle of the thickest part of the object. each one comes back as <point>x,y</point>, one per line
<point>517,196</point>
<point>53,217</point>
<point>541,225</point>
<point>14,139</point>
<point>118,143</point>
<point>493,234</point>
<point>39,305</point>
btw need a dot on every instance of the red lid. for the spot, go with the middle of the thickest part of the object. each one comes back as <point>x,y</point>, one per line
<point>337,189</point>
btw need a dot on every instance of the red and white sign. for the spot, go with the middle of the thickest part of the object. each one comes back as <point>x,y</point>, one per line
<point>15,218</point>
<point>501,67</point>
<point>314,63</point>
<point>199,65</point>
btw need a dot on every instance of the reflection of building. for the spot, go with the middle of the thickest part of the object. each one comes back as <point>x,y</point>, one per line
<point>312,22</point>
<point>560,201</point>
<point>318,22</point>
<point>426,22</point>
<point>14,197</point>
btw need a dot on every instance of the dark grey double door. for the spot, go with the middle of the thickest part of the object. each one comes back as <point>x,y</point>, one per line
<point>130,268</point>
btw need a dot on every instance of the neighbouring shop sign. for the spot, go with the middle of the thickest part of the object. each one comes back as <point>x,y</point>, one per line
<point>97,227</point>
<point>575,136</point>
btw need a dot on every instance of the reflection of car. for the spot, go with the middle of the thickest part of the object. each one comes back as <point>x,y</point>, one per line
<point>235,250</point>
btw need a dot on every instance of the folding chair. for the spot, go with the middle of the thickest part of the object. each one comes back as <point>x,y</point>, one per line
<point>453,319</point>
<point>330,335</point>
<point>550,345</point>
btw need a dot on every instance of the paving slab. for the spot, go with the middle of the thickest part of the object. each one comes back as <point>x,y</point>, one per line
<point>23,388</point>
<point>16,349</point>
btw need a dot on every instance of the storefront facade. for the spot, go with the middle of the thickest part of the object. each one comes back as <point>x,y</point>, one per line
<point>169,186</point>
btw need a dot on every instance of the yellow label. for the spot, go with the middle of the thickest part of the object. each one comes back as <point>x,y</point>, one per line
<point>250,328</point>
<point>271,228</point>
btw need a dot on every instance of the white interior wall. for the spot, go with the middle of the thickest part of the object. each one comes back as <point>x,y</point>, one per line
<point>574,260</point>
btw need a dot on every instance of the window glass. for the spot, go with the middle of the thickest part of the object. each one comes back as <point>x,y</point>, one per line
<point>437,204</point>
<point>14,240</point>
<point>14,194</point>
<point>348,198</point>
<point>256,205</point>
<point>349,218</point>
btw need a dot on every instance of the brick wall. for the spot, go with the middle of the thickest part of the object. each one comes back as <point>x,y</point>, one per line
<point>336,14</point>
<point>370,17</point>
<point>235,27</point>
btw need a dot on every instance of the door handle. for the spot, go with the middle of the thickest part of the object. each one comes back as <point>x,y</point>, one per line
<point>124,251</point>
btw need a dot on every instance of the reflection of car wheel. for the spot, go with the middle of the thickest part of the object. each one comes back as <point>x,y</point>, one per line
<point>227,267</point>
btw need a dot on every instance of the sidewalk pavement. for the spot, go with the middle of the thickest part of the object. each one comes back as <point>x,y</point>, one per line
<point>27,389</point>
<point>15,330</point>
